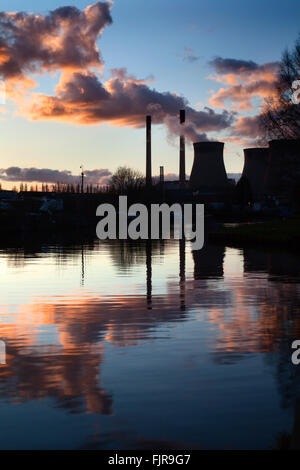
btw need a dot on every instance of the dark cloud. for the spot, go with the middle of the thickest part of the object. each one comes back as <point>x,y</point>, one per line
<point>65,38</point>
<point>228,65</point>
<point>241,96</point>
<point>83,99</point>
<point>191,58</point>
<point>168,177</point>
<point>123,75</point>
<point>247,80</point>
<point>248,131</point>
<point>188,55</point>
<point>45,175</point>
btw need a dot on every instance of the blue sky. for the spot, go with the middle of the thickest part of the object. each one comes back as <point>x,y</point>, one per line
<point>148,38</point>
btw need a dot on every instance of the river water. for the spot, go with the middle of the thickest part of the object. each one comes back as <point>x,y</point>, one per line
<point>147,345</point>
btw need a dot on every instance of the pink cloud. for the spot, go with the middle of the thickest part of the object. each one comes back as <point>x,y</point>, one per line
<point>246,79</point>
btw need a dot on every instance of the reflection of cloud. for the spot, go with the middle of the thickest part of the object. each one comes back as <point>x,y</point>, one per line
<point>55,344</point>
<point>260,309</point>
<point>69,370</point>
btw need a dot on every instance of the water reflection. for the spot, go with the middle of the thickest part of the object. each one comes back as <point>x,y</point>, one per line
<point>194,327</point>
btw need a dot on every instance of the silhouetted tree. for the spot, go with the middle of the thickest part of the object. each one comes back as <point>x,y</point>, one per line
<point>281,116</point>
<point>126,179</point>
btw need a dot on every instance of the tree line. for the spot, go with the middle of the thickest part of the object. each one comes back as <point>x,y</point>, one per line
<point>123,181</point>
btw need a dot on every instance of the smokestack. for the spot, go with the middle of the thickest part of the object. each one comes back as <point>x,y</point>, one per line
<point>161,175</point>
<point>148,152</point>
<point>255,165</point>
<point>182,150</point>
<point>208,172</point>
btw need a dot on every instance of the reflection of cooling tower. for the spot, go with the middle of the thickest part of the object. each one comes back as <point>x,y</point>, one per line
<point>283,169</point>
<point>255,260</point>
<point>255,170</point>
<point>208,172</point>
<point>209,261</point>
<point>276,264</point>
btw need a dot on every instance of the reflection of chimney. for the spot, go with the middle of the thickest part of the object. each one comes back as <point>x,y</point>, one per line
<point>148,152</point>
<point>208,172</point>
<point>149,273</point>
<point>182,272</point>
<point>182,150</point>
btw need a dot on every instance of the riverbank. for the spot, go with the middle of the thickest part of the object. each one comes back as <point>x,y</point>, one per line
<point>284,232</point>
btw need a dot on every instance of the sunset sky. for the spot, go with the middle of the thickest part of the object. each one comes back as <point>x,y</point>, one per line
<point>80,80</point>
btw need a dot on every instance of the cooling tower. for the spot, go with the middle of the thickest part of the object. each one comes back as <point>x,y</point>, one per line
<point>283,168</point>
<point>255,165</point>
<point>148,152</point>
<point>208,172</point>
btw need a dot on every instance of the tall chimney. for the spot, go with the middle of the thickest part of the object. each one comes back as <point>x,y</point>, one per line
<point>161,175</point>
<point>148,152</point>
<point>182,150</point>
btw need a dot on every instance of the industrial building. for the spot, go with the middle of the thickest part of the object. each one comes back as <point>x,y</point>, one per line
<point>271,172</point>
<point>283,169</point>
<point>255,165</point>
<point>208,175</point>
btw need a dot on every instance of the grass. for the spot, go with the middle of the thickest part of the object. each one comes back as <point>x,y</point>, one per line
<point>281,232</point>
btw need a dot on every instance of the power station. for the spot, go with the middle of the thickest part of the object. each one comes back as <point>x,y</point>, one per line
<point>208,171</point>
<point>268,172</point>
